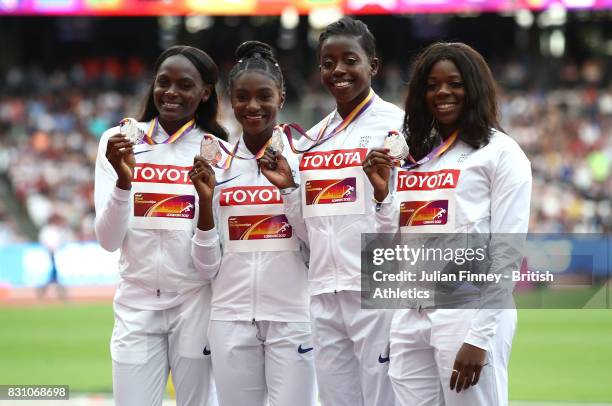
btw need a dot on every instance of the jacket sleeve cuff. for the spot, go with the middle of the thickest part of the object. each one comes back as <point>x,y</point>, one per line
<point>388,199</point>
<point>477,340</point>
<point>205,238</point>
<point>385,208</point>
<point>291,198</point>
<point>121,195</point>
<point>292,202</point>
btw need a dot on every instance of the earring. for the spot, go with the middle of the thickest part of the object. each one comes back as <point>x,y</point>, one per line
<point>435,128</point>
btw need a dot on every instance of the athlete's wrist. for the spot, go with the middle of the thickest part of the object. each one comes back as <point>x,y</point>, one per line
<point>289,189</point>
<point>124,184</point>
<point>380,196</point>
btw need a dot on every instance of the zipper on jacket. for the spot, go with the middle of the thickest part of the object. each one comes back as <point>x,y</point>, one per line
<point>332,254</point>
<point>159,253</point>
<point>254,286</point>
<point>256,256</point>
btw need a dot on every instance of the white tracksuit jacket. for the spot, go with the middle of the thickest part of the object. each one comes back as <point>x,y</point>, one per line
<point>484,191</point>
<point>333,231</point>
<point>262,275</point>
<point>162,251</point>
<point>164,285</point>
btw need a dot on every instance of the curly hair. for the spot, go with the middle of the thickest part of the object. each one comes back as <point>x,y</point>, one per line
<point>480,111</point>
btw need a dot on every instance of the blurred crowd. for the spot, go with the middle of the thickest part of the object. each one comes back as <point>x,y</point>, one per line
<point>565,128</point>
<point>567,135</point>
<point>50,125</point>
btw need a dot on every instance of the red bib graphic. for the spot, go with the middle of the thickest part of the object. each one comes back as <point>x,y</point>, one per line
<point>333,182</point>
<point>336,159</point>
<point>164,205</point>
<point>427,201</point>
<point>163,197</point>
<point>444,179</point>
<point>256,227</point>
<point>415,213</point>
<point>330,191</point>
<point>252,220</point>
<point>152,173</point>
<point>250,195</point>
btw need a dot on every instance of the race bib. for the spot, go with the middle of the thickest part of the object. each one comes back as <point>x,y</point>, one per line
<point>163,197</point>
<point>427,201</point>
<point>252,220</point>
<point>333,182</point>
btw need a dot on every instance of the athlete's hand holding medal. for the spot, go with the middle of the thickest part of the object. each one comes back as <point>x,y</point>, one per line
<point>273,164</point>
<point>120,152</point>
<point>202,174</point>
<point>203,178</point>
<point>379,163</point>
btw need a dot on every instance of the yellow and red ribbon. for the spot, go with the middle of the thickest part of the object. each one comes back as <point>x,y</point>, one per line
<point>181,132</point>
<point>321,138</point>
<point>287,129</point>
<point>230,155</point>
<point>436,152</point>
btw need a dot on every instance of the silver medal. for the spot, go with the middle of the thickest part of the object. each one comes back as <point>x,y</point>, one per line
<point>397,146</point>
<point>129,128</point>
<point>277,143</point>
<point>210,151</point>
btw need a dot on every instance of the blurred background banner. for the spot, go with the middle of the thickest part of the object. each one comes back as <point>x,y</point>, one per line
<point>85,263</point>
<point>272,7</point>
<point>583,258</point>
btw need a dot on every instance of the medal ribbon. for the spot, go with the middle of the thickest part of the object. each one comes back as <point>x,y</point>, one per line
<point>352,116</point>
<point>436,152</point>
<point>233,153</point>
<point>286,128</point>
<point>181,132</point>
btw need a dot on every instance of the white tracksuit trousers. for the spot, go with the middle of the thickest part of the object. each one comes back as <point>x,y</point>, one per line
<point>146,344</point>
<point>351,351</point>
<point>424,345</point>
<point>263,361</point>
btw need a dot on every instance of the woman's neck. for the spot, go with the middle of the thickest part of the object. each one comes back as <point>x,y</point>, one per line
<point>255,142</point>
<point>344,109</point>
<point>173,126</point>
<point>446,131</point>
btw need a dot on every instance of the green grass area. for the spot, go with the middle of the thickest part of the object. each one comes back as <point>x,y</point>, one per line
<point>558,355</point>
<point>562,355</point>
<point>57,345</point>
